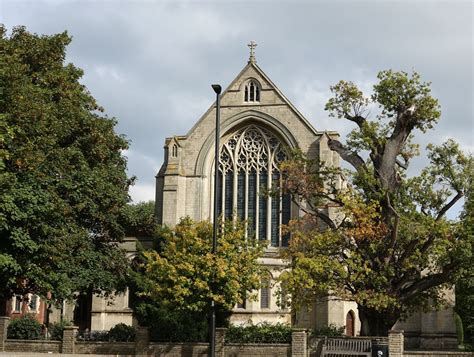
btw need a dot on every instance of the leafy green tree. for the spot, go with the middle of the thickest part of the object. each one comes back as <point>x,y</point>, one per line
<point>465,285</point>
<point>182,275</point>
<point>62,175</point>
<point>389,246</point>
<point>139,219</point>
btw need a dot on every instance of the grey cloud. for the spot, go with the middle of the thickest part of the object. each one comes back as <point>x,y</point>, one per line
<point>151,63</point>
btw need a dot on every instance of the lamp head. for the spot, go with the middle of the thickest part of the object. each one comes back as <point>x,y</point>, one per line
<point>217,88</point>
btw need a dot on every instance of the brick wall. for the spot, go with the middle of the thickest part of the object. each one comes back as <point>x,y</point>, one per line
<point>395,343</point>
<point>299,343</point>
<point>257,350</point>
<point>96,347</point>
<point>178,349</point>
<point>437,354</point>
<point>32,346</point>
<point>4,321</point>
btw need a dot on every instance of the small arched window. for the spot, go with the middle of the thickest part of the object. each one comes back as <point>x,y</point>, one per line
<point>252,92</point>
<point>174,150</point>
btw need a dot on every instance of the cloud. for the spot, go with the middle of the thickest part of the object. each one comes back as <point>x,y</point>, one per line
<point>142,193</point>
<point>150,63</point>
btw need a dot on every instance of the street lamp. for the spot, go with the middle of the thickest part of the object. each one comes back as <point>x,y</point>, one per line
<point>212,330</point>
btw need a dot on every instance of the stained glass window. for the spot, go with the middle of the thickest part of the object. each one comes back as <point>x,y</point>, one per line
<point>249,184</point>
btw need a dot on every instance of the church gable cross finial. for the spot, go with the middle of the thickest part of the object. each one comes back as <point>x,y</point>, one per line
<point>252,46</point>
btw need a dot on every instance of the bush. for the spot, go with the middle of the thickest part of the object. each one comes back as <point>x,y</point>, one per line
<point>260,333</point>
<point>122,333</point>
<point>178,326</point>
<point>24,328</point>
<point>55,330</point>
<point>331,331</point>
<point>93,336</point>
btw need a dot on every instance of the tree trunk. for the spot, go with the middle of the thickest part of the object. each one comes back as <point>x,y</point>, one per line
<point>375,323</point>
<point>3,306</point>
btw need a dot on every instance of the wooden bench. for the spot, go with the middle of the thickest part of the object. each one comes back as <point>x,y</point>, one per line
<point>346,347</point>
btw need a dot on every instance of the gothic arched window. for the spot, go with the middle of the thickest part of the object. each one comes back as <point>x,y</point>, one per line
<point>252,92</point>
<point>174,151</point>
<point>250,182</point>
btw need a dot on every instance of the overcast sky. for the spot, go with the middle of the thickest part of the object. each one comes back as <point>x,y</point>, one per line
<point>150,64</point>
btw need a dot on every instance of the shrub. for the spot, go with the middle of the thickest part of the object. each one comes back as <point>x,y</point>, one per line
<point>24,328</point>
<point>260,333</point>
<point>56,330</point>
<point>178,326</point>
<point>122,333</point>
<point>93,335</point>
<point>331,331</point>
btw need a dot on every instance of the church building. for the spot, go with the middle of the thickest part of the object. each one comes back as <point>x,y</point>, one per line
<point>259,125</point>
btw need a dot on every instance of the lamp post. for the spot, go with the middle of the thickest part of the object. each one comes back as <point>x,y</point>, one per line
<point>212,329</point>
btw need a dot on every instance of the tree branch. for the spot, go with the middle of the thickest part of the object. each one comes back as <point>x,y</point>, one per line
<point>427,282</point>
<point>450,204</point>
<point>402,165</point>
<point>315,212</point>
<point>358,119</point>
<point>350,156</point>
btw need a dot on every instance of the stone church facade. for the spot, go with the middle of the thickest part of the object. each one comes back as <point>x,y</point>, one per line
<point>258,125</point>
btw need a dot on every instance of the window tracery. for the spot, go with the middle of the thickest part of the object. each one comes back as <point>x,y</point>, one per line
<point>249,168</point>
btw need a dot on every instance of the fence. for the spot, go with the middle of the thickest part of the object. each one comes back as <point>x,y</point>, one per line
<point>299,346</point>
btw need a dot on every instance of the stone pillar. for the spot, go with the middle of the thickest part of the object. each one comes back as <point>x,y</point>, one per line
<point>299,343</point>
<point>220,340</point>
<point>4,321</point>
<point>68,344</point>
<point>142,340</point>
<point>395,343</point>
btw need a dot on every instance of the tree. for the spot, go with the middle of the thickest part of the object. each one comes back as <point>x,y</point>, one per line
<point>465,285</point>
<point>182,274</point>
<point>139,219</point>
<point>62,175</point>
<point>389,247</point>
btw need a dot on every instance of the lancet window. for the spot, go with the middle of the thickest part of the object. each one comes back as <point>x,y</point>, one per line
<point>252,92</point>
<point>250,180</point>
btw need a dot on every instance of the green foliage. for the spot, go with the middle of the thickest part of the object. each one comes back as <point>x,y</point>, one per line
<point>55,330</point>
<point>389,228</point>
<point>331,331</point>
<point>24,328</point>
<point>465,284</point>
<point>260,333</point>
<point>93,336</point>
<point>122,333</point>
<point>169,325</point>
<point>119,333</point>
<point>459,329</point>
<point>63,178</point>
<point>139,219</point>
<point>184,274</point>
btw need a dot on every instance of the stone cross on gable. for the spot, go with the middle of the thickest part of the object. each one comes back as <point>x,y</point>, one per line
<point>252,46</point>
